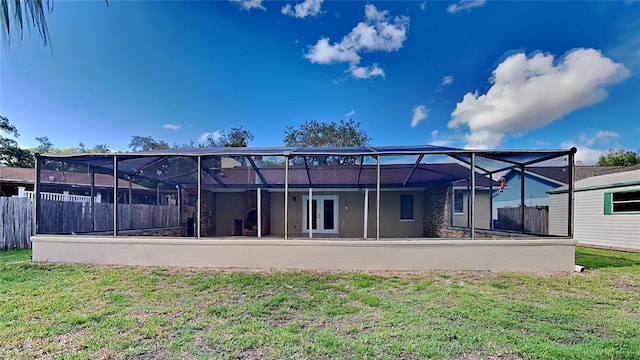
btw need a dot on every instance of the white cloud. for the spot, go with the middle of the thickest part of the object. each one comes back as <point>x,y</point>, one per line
<point>365,72</point>
<point>465,5</point>
<point>602,136</point>
<point>590,147</point>
<point>303,9</point>
<point>585,154</point>
<point>171,126</point>
<point>249,4</point>
<point>529,93</point>
<point>376,33</point>
<point>434,134</point>
<point>447,80</point>
<point>420,112</point>
<point>423,6</point>
<point>213,135</point>
<point>350,113</point>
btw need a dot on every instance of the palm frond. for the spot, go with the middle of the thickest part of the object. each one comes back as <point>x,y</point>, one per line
<point>26,13</point>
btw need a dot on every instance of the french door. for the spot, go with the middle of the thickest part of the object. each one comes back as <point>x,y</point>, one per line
<point>324,213</point>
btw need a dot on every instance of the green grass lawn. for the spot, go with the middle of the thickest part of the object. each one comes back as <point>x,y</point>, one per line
<point>96,312</point>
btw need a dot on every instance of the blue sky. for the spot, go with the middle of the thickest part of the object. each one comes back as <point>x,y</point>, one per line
<point>463,74</point>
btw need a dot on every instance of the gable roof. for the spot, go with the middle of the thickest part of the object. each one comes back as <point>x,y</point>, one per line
<point>558,175</point>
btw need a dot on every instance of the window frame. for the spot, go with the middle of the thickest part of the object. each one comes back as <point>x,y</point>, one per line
<point>403,207</point>
<point>458,194</point>
<point>610,203</point>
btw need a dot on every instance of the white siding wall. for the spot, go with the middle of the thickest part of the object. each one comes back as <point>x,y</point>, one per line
<point>592,227</point>
<point>481,210</point>
<point>558,214</point>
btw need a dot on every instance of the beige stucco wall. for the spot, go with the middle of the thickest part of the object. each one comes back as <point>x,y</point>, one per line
<point>338,254</point>
<point>351,214</point>
<point>482,210</point>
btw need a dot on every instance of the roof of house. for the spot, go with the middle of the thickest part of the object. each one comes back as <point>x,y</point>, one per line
<point>612,180</point>
<point>391,175</point>
<point>583,172</point>
<point>27,176</point>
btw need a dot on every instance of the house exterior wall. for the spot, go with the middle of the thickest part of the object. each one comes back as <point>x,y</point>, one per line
<point>481,211</point>
<point>593,227</point>
<point>351,214</point>
<point>558,214</point>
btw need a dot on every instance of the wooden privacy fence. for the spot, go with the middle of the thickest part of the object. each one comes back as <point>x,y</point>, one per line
<point>60,217</point>
<point>536,219</point>
<point>15,223</point>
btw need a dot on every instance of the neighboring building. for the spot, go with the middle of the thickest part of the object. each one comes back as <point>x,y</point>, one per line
<point>13,180</point>
<point>538,181</point>
<point>606,210</point>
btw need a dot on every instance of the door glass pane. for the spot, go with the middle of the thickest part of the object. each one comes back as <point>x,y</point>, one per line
<point>328,215</point>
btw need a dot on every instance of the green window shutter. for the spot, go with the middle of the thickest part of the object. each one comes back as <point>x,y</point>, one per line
<point>607,203</point>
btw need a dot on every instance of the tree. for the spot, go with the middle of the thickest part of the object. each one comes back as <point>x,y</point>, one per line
<point>17,14</point>
<point>313,133</point>
<point>147,143</point>
<point>45,144</point>
<point>10,153</point>
<point>619,157</point>
<point>238,137</point>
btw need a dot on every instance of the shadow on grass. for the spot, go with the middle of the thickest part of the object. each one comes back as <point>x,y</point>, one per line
<point>598,258</point>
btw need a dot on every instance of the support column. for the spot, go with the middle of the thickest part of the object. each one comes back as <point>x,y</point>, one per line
<point>366,213</point>
<point>571,194</point>
<point>490,201</point>
<point>259,210</point>
<point>286,197</point>
<point>93,199</point>
<point>522,198</point>
<point>378,199</point>
<point>115,196</point>
<point>36,194</point>
<point>199,203</point>
<point>310,213</point>
<point>472,205</point>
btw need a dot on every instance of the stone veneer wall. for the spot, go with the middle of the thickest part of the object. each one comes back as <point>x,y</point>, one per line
<point>436,216</point>
<point>208,221</point>
<point>435,212</point>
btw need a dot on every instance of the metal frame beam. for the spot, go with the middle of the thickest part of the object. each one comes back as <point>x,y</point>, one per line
<point>413,170</point>
<point>257,170</point>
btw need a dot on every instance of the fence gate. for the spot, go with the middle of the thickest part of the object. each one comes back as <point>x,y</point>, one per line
<point>15,223</point>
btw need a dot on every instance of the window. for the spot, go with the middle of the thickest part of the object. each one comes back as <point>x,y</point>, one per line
<point>458,204</point>
<point>406,207</point>
<point>622,202</point>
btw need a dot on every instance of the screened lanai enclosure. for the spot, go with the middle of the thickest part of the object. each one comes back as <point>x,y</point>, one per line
<point>287,207</point>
